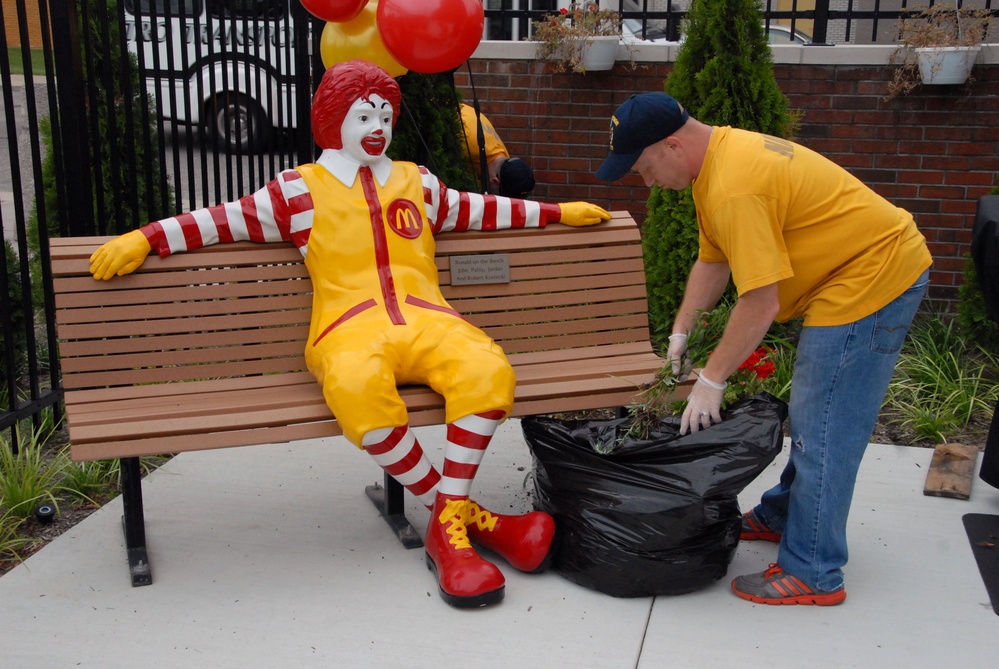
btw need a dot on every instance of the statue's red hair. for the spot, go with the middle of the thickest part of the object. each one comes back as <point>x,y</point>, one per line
<point>341,86</point>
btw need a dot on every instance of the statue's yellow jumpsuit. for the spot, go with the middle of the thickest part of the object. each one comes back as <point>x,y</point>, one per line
<point>378,316</point>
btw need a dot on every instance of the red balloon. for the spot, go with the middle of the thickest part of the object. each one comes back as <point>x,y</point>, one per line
<point>336,11</point>
<point>431,35</point>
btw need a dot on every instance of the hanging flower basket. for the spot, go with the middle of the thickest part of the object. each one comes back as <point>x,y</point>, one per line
<point>946,64</point>
<point>600,53</point>
<point>937,45</point>
<point>580,38</point>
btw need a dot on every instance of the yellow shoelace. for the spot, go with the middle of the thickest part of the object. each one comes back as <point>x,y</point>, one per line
<point>452,513</point>
<point>483,520</point>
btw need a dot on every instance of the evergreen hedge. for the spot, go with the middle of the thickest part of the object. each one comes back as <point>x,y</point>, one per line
<point>429,130</point>
<point>972,316</point>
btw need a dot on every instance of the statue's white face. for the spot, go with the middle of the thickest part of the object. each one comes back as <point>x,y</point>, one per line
<point>367,129</point>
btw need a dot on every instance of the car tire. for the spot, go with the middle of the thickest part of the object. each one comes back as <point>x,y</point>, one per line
<point>237,122</point>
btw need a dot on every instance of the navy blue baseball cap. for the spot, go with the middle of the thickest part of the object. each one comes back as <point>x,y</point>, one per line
<point>641,121</point>
<point>516,178</point>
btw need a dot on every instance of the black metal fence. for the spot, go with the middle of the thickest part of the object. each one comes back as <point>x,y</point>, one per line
<point>163,106</point>
<point>812,21</point>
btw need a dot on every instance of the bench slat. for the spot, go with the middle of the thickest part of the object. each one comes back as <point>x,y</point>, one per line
<point>124,345</point>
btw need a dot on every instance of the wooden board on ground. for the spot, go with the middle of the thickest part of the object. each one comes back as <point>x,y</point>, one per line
<point>951,471</point>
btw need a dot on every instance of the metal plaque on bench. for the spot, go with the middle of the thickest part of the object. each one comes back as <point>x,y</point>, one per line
<point>486,268</point>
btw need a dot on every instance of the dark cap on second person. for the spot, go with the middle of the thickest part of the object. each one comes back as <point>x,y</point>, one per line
<point>516,178</point>
<point>640,121</point>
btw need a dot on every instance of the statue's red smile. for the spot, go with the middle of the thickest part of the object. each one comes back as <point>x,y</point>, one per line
<point>373,145</point>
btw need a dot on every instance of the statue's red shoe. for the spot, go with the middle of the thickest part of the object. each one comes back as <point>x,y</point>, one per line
<point>523,541</point>
<point>464,579</point>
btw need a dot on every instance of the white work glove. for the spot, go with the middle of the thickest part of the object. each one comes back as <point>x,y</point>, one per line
<point>677,355</point>
<point>703,405</point>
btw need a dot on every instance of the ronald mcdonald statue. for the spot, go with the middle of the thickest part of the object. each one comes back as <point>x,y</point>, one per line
<point>365,225</point>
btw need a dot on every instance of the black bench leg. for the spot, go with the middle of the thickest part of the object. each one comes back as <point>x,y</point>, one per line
<point>389,502</point>
<point>134,522</point>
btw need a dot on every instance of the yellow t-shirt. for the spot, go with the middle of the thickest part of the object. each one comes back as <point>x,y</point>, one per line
<point>778,212</point>
<point>494,145</point>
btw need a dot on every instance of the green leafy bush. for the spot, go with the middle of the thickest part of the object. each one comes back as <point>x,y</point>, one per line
<point>429,129</point>
<point>16,317</point>
<point>972,316</point>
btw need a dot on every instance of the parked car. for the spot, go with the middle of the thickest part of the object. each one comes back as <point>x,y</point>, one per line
<point>631,33</point>
<point>783,35</point>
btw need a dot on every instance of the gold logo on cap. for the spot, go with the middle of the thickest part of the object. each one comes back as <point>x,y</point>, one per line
<point>614,122</point>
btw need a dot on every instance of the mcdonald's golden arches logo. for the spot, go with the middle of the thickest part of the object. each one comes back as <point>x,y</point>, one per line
<point>403,217</point>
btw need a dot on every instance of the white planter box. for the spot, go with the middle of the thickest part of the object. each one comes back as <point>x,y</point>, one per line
<point>946,64</point>
<point>600,53</point>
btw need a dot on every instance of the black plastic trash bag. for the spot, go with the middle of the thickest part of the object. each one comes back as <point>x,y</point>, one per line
<point>658,516</point>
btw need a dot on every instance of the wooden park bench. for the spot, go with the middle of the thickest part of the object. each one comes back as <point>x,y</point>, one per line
<point>204,350</point>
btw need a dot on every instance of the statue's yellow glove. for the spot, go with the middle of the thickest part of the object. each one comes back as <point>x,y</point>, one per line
<point>122,255</point>
<point>582,213</point>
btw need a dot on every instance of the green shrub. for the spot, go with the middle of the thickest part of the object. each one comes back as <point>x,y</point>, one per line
<point>429,129</point>
<point>16,319</point>
<point>972,316</point>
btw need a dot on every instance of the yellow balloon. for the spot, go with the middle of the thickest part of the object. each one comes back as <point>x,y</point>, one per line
<point>358,38</point>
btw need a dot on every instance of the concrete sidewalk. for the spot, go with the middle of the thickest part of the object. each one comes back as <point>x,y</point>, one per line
<point>273,557</point>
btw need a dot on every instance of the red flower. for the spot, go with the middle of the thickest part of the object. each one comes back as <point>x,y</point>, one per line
<point>757,364</point>
<point>563,11</point>
<point>765,369</point>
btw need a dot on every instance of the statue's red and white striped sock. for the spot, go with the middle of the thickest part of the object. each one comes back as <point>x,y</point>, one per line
<point>467,440</point>
<point>397,451</point>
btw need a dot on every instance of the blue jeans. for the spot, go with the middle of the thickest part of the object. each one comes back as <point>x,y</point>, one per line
<point>840,379</point>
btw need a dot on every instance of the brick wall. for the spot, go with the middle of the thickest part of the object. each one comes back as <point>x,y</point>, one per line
<point>933,152</point>
<point>12,25</point>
